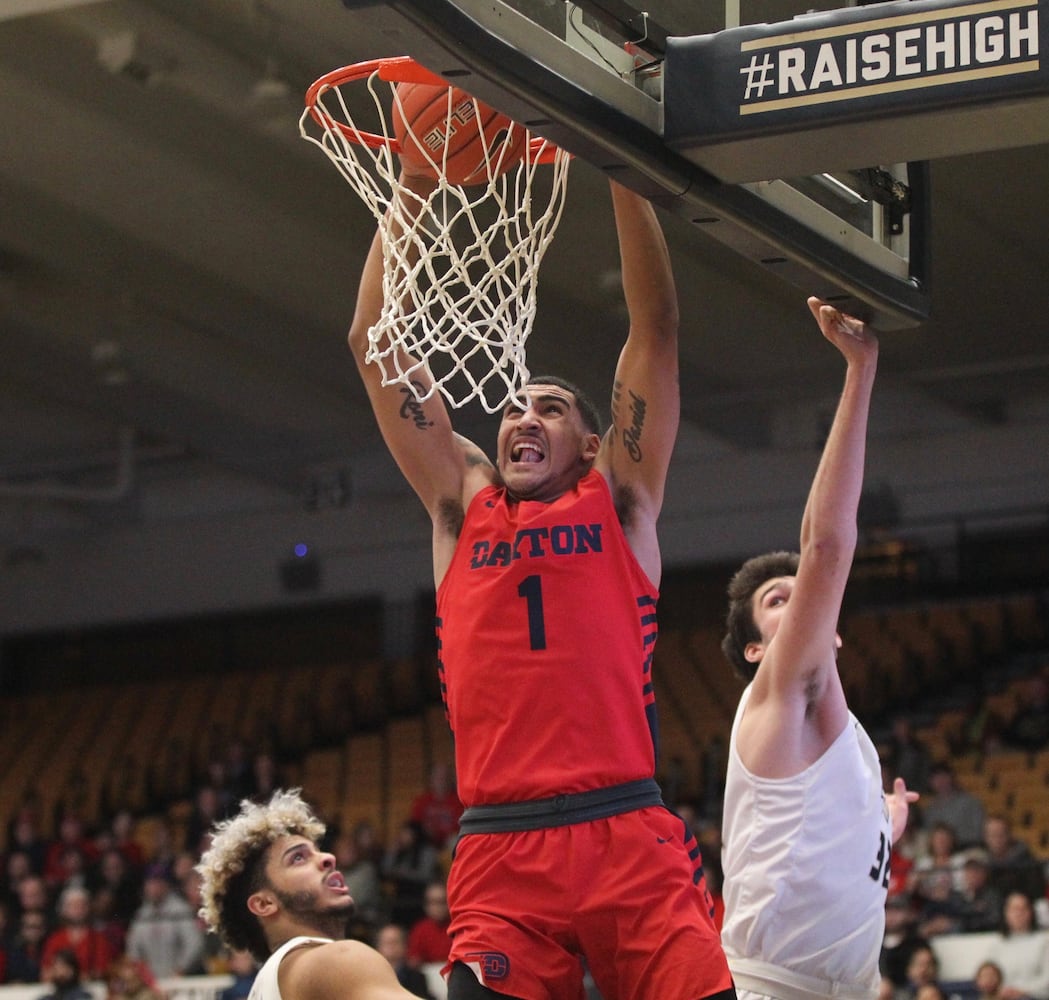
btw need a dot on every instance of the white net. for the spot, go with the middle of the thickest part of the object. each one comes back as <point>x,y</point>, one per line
<point>460,265</point>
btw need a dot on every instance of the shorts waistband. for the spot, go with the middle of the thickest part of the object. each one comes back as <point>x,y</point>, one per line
<point>785,984</point>
<point>561,810</point>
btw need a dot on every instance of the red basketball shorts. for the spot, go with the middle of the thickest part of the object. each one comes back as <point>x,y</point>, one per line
<point>626,892</point>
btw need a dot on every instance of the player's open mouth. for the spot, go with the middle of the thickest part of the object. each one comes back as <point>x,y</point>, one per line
<point>526,451</point>
<point>335,881</point>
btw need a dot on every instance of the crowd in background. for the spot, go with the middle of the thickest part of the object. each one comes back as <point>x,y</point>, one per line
<point>110,905</point>
<point>116,903</point>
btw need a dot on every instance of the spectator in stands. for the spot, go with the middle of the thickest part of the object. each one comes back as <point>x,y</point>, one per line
<point>437,809</point>
<point>901,940</point>
<point>948,803</point>
<point>17,867</point>
<point>34,896</point>
<point>937,869</point>
<point>159,842</point>
<point>74,868</point>
<point>114,873</point>
<point>410,864</point>
<point>981,901</point>
<point>988,981</point>
<point>105,921</point>
<point>1028,729</point>
<point>164,932</point>
<point>24,835</point>
<point>130,980</point>
<point>183,869</point>
<point>361,875</point>
<point>72,840</point>
<point>906,755</point>
<point>1013,867</point>
<point>215,958</point>
<point>1022,952</point>
<point>244,969</point>
<point>63,973</point>
<point>209,806</point>
<point>908,847</point>
<point>122,837</point>
<point>94,951</point>
<point>25,955</point>
<point>922,970</point>
<point>428,938</point>
<point>930,991</point>
<point>391,941</point>
<point>367,839</point>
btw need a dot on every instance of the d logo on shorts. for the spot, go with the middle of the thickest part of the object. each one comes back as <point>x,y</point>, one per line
<point>493,964</point>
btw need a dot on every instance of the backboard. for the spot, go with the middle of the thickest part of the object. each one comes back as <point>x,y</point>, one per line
<point>590,76</point>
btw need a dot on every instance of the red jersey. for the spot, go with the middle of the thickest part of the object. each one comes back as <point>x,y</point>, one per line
<point>546,626</point>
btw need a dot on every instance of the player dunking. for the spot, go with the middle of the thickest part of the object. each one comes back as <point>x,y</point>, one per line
<point>547,569</point>
<point>807,829</point>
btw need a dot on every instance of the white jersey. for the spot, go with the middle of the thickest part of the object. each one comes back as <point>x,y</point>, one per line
<point>266,986</point>
<point>806,862</point>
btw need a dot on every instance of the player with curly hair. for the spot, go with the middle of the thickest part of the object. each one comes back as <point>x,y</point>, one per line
<point>267,888</point>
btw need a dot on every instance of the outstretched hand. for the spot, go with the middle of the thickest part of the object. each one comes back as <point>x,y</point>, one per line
<point>851,336</point>
<point>898,802</point>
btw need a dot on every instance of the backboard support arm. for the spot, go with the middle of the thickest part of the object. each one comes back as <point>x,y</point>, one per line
<point>503,58</point>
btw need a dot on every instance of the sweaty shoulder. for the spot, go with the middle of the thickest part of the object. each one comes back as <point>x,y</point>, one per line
<point>337,970</point>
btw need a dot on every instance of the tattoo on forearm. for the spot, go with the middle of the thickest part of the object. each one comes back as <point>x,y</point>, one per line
<point>632,434</point>
<point>412,409</point>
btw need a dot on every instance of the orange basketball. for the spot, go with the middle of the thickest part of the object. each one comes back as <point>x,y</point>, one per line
<point>424,126</point>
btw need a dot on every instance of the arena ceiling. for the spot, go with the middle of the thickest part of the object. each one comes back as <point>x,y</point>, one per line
<point>178,269</point>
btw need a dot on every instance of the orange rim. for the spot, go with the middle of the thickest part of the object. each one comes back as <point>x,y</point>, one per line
<point>393,69</point>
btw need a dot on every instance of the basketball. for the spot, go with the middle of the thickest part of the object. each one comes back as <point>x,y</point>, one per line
<point>454,136</point>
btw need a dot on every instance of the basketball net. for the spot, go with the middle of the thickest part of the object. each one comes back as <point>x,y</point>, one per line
<point>460,265</point>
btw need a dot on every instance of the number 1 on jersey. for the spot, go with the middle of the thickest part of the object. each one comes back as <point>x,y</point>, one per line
<point>531,589</point>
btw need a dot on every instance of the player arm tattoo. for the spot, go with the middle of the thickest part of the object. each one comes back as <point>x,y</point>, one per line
<point>628,427</point>
<point>472,455</point>
<point>411,409</point>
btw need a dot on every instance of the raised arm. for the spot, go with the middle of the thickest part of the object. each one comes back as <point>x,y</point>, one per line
<point>797,700</point>
<point>437,463</point>
<point>635,454</point>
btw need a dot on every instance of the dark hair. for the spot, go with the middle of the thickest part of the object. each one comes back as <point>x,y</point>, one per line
<point>240,927</point>
<point>68,957</point>
<point>587,410</point>
<point>739,622</point>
